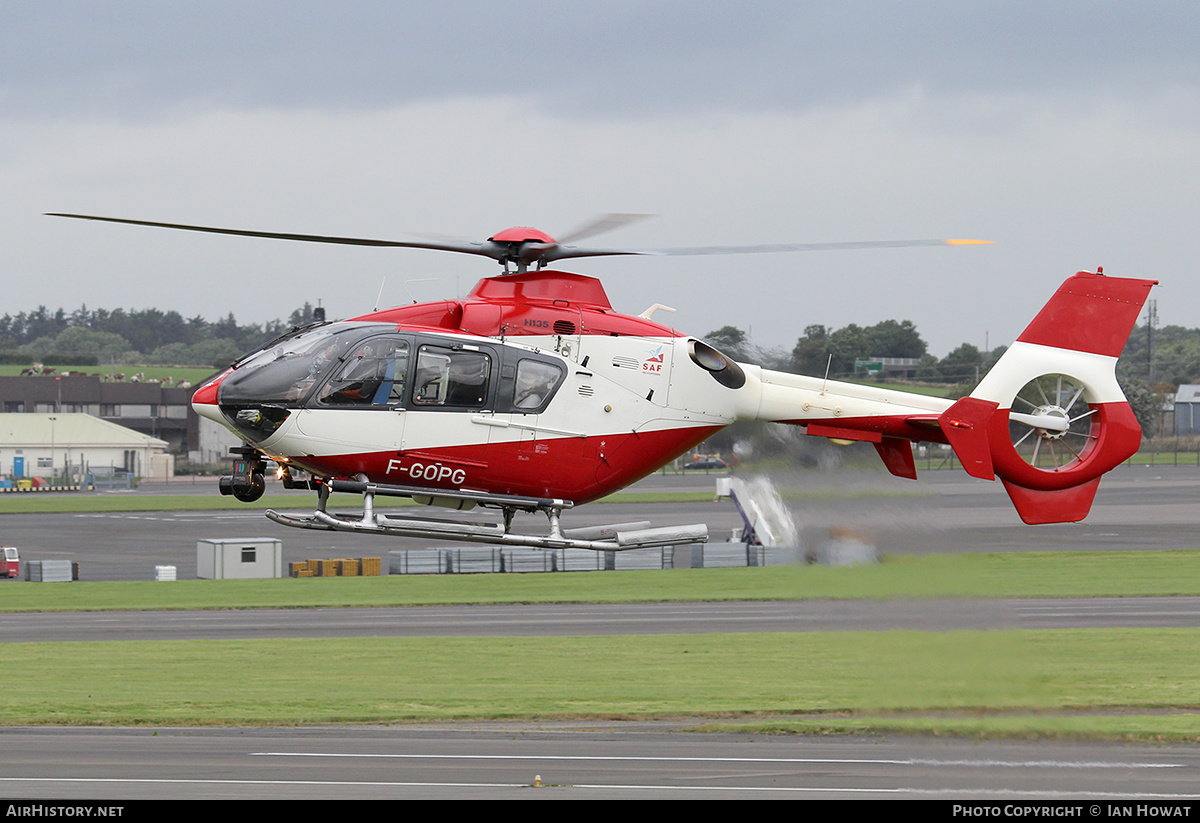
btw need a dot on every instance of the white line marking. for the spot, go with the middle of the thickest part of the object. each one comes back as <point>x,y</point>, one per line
<point>601,786</point>
<point>1057,764</point>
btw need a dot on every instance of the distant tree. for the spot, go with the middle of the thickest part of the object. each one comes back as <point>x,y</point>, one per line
<point>41,323</point>
<point>731,341</point>
<point>839,350</point>
<point>82,340</point>
<point>172,354</point>
<point>963,364</point>
<point>811,351</point>
<point>216,353</point>
<point>304,315</point>
<point>890,338</point>
<point>847,345</point>
<point>929,369</point>
<point>1147,408</point>
<point>226,327</point>
<point>132,334</point>
<point>735,343</point>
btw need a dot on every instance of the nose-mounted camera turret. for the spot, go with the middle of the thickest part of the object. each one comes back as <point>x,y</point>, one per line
<point>248,481</point>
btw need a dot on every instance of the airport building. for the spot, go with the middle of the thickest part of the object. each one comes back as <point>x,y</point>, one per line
<point>1187,410</point>
<point>150,408</point>
<point>74,445</point>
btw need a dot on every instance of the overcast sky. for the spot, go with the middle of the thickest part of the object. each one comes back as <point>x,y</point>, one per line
<point>1066,132</point>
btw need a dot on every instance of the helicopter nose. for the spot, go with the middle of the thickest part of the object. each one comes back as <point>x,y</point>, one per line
<point>204,401</point>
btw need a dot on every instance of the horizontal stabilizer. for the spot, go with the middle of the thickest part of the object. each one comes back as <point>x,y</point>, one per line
<point>965,426</point>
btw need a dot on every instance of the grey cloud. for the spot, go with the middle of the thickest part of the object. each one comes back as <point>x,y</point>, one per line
<point>598,59</point>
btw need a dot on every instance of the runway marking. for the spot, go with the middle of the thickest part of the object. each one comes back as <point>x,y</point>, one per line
<point>600,786</point>
<point>198,781</point>
<point>1056,764</point>
<point>903,790</point>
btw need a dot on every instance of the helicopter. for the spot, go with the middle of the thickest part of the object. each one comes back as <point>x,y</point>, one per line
<point>533,394</point>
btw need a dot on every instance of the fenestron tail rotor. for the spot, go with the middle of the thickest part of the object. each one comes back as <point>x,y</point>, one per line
<point>522,247</point>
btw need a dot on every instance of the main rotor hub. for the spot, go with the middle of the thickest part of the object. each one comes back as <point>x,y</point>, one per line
<point>521,246</point>
<point>522,234</point>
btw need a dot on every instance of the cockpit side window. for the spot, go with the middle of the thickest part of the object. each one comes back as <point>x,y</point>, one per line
<point>451,377</point>
<point>286,372</point>
<point>372,374</point>
<point>535,383</point>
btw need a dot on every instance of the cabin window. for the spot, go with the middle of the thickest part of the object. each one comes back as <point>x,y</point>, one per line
<point>373,374</point>
<point>451,377</point>
<point>534,384</point>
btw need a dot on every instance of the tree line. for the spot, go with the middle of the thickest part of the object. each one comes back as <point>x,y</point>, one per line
<point>154,336</point>
<point>839,352</point>
<point>1169,356</point>
<point>147,336</point>
<point>1153,363</point>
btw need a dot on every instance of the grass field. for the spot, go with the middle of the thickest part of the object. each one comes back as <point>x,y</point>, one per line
<point>192,374</point>
<point>1106,683</point>
<point>1137,684</point>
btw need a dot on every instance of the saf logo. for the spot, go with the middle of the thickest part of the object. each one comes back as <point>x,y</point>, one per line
<point>654,363</point>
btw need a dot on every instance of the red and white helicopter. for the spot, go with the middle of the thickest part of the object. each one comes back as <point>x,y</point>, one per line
<point>533,394</point>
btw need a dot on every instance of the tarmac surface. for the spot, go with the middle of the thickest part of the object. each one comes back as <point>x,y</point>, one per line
<point>592,761</point>
<point>603,619</point>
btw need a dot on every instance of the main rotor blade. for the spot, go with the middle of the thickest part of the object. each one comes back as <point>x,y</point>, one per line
<point>600,224</point>
<point>539,251</point>
<point>770,248</point>
<point>567,252</point>
<point>448,245</point>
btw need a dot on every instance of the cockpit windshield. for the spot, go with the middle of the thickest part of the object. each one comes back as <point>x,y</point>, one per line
<point>286,372</point>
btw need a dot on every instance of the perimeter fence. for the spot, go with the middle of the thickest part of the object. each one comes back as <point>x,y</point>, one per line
<point>1154,451</point>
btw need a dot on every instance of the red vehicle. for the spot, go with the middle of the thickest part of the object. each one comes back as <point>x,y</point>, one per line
<point>12,562</point>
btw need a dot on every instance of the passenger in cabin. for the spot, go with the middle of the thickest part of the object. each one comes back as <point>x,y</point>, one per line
<point>534,382</point>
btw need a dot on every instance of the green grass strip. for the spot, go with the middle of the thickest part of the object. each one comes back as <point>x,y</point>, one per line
<point>862,676</point>
<point>1016,574</point>
<point>78,502</point>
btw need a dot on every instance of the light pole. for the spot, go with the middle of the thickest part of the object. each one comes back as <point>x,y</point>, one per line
<point>52,419</point>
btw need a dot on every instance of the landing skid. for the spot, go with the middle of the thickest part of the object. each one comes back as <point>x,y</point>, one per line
<point>622,537</point>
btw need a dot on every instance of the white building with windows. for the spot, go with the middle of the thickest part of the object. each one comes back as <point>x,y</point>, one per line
<point>69,445</point>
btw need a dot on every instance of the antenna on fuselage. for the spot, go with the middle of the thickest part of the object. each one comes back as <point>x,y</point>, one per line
<point>420,280</point>
<point>380,294</point>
